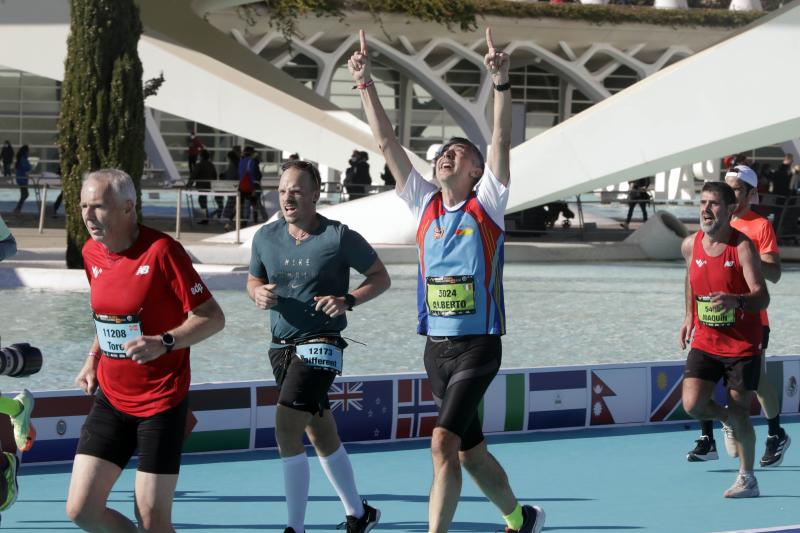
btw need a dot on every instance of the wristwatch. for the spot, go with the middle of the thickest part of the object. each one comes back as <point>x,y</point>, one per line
<point>168,340</point>
<point>350,300</point>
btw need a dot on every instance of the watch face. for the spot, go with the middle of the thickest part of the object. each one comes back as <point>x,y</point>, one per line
<point>167,339</point>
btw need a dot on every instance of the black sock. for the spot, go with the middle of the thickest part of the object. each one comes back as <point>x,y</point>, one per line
<point>774,425</point>
<point>707,429</point>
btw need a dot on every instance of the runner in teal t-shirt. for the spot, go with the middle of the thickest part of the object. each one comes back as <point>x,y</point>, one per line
<point>300,271</point>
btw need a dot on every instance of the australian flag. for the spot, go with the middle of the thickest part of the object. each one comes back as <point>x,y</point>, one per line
<point>363,409</point>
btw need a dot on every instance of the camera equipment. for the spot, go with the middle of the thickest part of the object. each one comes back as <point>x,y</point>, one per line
<point>20,360</point>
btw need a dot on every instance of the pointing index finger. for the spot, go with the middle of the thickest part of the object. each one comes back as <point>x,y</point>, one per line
<point>363,38</point>
<point>489,41</point>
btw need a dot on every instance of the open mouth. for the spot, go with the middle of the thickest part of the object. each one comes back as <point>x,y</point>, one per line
<point>289,209</point>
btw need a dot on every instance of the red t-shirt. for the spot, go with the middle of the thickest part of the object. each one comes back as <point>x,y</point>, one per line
<point>737,333</point>
<point>759,230</point>
<point>155,281</point>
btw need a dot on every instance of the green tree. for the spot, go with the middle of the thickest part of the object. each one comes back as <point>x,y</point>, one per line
<point>102,104</point>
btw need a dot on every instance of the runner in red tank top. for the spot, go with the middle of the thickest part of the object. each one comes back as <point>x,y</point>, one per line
<point>758,229</point>
<point>725,291</point>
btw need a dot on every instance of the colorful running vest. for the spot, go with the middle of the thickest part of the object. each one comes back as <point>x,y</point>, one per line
<point>460,290</point>
<point>731,333</point>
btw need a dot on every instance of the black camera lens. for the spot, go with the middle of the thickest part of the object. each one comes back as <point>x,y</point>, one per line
<point>20,360</point>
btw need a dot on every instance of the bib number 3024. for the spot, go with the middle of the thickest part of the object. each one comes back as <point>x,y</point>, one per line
<point>113,331</point>
<point>450,295</point>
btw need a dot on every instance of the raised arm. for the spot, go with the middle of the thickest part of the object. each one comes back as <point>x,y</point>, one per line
<point>382,129</point>
<point>497,64</point>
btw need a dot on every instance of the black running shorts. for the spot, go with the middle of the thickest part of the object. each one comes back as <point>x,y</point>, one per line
<point>113,435</point>
<point>301,387</point>
<point>460,369</point>
<point>739,373</point>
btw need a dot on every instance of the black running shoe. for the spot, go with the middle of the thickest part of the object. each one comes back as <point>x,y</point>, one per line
<point>533,520</point>
<point>705,450</point>
<point>289,530</point>
<point>367,521</point>
<point>776,448</point>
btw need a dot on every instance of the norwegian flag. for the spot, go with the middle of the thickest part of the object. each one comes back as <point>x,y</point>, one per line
<point>363,409</point>
<point>416,410</point>
<point>346,396</point>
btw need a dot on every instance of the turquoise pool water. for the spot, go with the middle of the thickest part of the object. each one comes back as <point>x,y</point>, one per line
<point>558,314</point>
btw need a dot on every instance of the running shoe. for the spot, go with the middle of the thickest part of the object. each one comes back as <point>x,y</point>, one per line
<point>730,440</point>
<point>367,521</point>
<point>10,479</point>
<point>24,434</point>
<point>776,448</point>
<point>745,486</point>
<point>533,520</point>
<point>289,530</point>
<point>705,450</point>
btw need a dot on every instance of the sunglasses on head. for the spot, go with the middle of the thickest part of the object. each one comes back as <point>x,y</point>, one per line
<point>306,166</point>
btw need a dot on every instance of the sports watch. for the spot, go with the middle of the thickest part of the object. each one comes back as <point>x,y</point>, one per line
<point>350,300</point>
<point>168,340</point>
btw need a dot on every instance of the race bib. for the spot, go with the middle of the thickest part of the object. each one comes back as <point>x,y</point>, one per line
<point>113,331</point>
<point>714,316</point>
<point>321,353</point>
<point>450,295</point>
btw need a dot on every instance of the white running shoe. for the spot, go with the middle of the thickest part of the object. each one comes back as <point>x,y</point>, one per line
<point>745,486</point>
<point>730,440</point>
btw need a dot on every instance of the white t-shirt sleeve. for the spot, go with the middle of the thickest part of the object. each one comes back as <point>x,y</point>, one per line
<point>493,196</point>
<point>416,192</point>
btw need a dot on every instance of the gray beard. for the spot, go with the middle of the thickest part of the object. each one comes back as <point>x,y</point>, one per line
<point>711,229</point>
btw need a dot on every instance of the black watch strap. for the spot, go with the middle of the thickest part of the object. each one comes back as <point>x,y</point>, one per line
<point>350,300</point>
<point>503,86</point>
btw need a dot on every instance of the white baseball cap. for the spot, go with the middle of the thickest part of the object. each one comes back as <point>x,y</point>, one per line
<point>747,175</point>
<point>433,151</point>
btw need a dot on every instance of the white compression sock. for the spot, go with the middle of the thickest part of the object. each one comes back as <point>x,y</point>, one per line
<point>296,478</point>
<point>340,473</point>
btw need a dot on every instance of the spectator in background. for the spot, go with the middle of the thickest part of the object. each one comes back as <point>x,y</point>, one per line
<point>781,176</point>
<point>294,157</point>
<point>637,195</point>
<point>21,168</point>
<point>387,177</point>
<point>195,145</point>
<point>794,183</point>
<point>357,177</point>
<point>232,174</point>
<point>7,157</point>
<point>250,182</point>
<point>764,172</point>
<point>203,174</point>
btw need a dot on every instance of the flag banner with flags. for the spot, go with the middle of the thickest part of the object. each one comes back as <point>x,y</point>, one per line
<point>416,410</point>
<point>504,405</point>
<point>666,389</point>
<point>363,409</point>
<point>619,396</point>
<point>266,405</point>
<point>788,391</point>
<point>557,399</point>
<point>241,416</point>
<point>222,416</point>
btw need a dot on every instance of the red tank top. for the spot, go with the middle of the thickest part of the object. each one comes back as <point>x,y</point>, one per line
<point>733,333</point>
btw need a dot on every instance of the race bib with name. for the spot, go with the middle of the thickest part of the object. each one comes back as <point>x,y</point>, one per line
<point>714,316</point>
<point>113,331</point>
<point>450,295</point>
<point>318,353</point>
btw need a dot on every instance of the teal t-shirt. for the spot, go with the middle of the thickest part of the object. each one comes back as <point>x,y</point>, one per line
<point>317,266</point>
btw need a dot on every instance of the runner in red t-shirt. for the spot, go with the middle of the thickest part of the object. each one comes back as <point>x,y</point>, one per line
<point>148,305</point>
<point>725,292</point>
<point>759,230</point>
